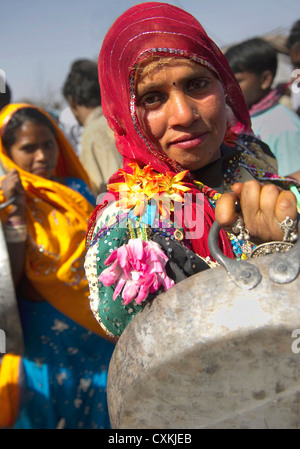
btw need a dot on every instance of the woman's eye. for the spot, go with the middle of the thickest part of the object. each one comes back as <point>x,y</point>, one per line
<point>28,148</point>
<point>198,84</point>
<point>151,99</point>
<point>49,145</point>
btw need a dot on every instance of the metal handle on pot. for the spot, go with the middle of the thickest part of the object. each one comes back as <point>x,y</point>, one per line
<point>12,199</point>
<point>286,266</point>
<point>283,269</point>
<point>8,203</point>
<point>242,273</point>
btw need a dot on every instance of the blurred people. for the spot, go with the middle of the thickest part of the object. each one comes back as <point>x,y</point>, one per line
<point>254,63</point>
<point>293,45</point>
<point>98,153</point>
<point>5,97</point>
<point>60,381</point>
<point>71,128</point>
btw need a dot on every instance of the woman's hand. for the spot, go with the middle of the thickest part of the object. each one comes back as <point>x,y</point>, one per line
<point>263,208</point>
<point>11,185</point>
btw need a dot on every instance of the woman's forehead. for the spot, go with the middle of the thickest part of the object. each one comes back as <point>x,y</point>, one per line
<point>150,67</point>
<point>30,130</point>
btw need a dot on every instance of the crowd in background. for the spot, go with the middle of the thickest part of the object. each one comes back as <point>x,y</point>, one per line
<point>66,355</point>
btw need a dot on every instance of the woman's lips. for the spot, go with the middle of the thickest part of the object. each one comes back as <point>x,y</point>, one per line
<point>188,142</point>
<point>41,171</point>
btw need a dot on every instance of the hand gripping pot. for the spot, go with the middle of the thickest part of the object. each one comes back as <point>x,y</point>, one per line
<point>220,350</point>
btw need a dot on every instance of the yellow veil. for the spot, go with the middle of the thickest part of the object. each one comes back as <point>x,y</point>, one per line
<point>57,222</point>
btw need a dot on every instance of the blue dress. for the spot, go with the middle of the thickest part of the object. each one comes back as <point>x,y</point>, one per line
<point>81,187</point>
<point>64,372</point>
<point>64,367</point>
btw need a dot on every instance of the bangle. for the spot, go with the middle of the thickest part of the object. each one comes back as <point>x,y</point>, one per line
<point>16,233</point>
<point>15,222</point>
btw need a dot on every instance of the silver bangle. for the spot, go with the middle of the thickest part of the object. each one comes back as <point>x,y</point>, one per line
<point>15,234</point>
<point>288,227</point>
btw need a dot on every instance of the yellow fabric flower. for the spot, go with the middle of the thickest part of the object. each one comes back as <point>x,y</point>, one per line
<point>145,184</point>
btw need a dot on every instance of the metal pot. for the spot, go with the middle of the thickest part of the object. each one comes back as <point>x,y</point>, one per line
<point>220,349</point>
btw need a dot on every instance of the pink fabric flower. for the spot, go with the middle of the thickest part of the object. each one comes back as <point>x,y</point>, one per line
<point>137,268</point>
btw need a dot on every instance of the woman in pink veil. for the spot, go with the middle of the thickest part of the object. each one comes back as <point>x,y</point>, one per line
<point>183,129</point>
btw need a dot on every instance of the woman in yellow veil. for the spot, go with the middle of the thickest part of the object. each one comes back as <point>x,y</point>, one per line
<point>66,354</point>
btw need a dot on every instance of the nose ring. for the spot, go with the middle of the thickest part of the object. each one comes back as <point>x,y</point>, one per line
<point>194,110</point>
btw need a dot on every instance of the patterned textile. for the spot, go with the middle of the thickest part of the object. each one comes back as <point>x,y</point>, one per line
<point>54,265</point>
<point>64,372</point>
<point>115,286</point>
<point>61,379</point>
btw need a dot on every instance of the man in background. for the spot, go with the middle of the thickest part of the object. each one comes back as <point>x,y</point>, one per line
<point>98,153</point>
<point>293,45</point>
<point>254,63</point>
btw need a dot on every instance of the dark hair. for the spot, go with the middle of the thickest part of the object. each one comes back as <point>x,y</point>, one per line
<point>21,116</point>
<point>5,97</point>
<point>254,55</point>
<point>294,36</point>
<point>82,83</point>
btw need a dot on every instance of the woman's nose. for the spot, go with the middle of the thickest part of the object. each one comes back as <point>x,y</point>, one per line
<point>182,110</point>
<point>40,154</point>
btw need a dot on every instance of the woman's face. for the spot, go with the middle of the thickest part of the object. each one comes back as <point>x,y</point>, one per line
<point>253,86</point>
<point>295,56</point>
<point>181,109</point>
<point>35,149</point>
